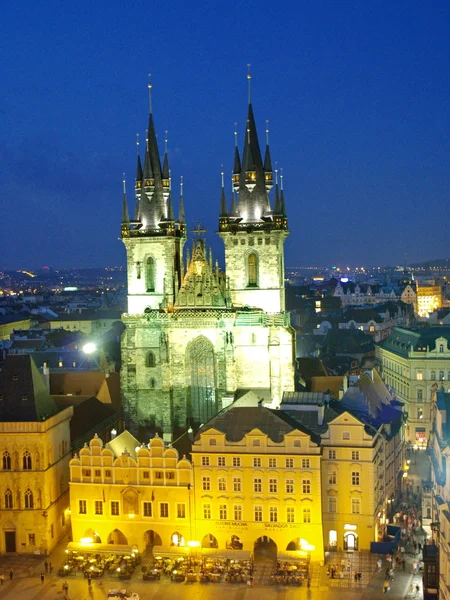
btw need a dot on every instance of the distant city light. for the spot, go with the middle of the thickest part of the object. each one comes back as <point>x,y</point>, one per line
<point>89,348</point>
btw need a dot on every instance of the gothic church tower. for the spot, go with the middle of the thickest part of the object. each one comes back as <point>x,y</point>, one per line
<point>253,232</point>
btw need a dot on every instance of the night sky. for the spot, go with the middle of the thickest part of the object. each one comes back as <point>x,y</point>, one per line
<point>357,94</point>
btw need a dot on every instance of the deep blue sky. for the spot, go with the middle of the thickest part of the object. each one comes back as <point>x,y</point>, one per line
<point>357,94</point>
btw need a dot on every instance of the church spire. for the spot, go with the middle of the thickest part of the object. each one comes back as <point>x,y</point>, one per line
<point>165,169</point>
<point>237,161</point>
<point>139,172</point>
<point>125,215</point>
<point>223,200</point>
<point>268,174</point>
<point>181,216</point>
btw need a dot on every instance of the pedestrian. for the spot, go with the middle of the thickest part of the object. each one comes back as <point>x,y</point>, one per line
<point>359,576</point>
<point>251,580</point>
<point>379,564</point>
<point>386,587</point>
<point>419,545</point>
<point>65,587</point>
<point>46,566</point>
<point>417,589</point>
<point>42,578</point>
<point>2,577</point>
<point>309,582</point>
<point>403,564</point>
<point>356,577</point>
<point>89,580</point>
<point>50,568</point>
<point>11,574</point>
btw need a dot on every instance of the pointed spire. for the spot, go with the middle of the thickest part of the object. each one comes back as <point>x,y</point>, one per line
<point>277,210</point>
<point>181,216</point>
<point>282,205</point>
<point>223,201</point>
<point>165,169</point>
<point>268,174</point>
<point>138,179</point>
<point>170,216</point>
<point>249,80</point>
<point>125,215</point>
<point>149,180</point>
<point>237,161</point>
<point>150,99</point>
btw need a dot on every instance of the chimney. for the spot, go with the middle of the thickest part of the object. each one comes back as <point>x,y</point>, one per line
<point>46,375</point>
<point>320,413</point>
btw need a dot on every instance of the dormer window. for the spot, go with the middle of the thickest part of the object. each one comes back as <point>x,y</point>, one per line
<point>213,442</point>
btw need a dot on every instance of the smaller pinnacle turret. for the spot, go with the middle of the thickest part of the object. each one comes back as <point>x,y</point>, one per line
<point>165,169</point>
<point>181,216</point>
<point>268,174</point>
<point>223,200</point>
<point>125,214</point>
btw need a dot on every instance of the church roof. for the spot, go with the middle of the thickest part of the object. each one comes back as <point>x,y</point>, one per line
<point>124,442</point>
<point>402,340</point>
<point>23,394</point>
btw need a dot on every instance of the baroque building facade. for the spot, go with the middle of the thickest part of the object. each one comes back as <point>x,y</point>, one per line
<point>35,454</point>
<point>195,335</point>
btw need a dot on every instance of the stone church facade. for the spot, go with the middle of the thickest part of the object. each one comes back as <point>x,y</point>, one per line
<point>196,337</point>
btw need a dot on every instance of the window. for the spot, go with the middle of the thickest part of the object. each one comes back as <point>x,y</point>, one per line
<point>8,498</point>
<point>32,539</point>
<point>86,472</point>
<point>205,461</point>
<point>272,463</point>
<point>420,394</point>
<point>355,454</point>
<point>170,475</point>
<point>306,463</point>
<point>252,269</point>
<point>164,510</point>
<point>213,442</point>
<point>207,511</point>
<point>289,463</point>
<point>257,462</point>
<point>290,514</point>
<point>346,435</point>
<point>419,375</point>
<point>82,507</point>
<point>257,442</point>
<point>222,484</point>
<point>441,348</point>
<point>332,454</point>
<point>289,486</point>
<point>237,484</point>
<point>150,362</point>
<point>237,512</point>
<point>97,473</point>
<point>181,511</point>
<point>98,507</point>
<point>433,375</point>
<point>306,515</point>
<point>273,486</point>
<point>6,461</point>
<point>108,473</point>
<point>236,461</point>
<point>441,376</point>
<point>150,274</point>
<point>52,531</point>
<point>332,504</point>
<point>222,512</point>
<point>356,506</point>
<point>306,486</point>
<point>420,413</point>
<point>114,508</point>
<point>273,514</point>
<point>158,475</point>
<point>297,443</point>
<point>257,485</point>
<point>26,461</point>
<point>29,500</point>
<point>258,513</point>
<point>148,509</point>
<point>221,461</point>
<point>355,477</point>
<point>206,484</point>
<point>332,477</point>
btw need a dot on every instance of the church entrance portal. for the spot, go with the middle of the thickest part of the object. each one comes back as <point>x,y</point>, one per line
<point>265,549</point>
<point>201,373</point>
<point>10,541</point>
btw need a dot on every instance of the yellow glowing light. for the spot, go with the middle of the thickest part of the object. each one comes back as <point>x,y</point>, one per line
<point>86,541</point>
<point>405,475</point>
<point>350,527</point>
<point>131,515</point>
<point>193,544</point>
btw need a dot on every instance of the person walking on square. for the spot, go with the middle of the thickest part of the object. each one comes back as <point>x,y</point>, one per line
<point>42,577</point>
<point>11,574</point>
<point>2,578</point>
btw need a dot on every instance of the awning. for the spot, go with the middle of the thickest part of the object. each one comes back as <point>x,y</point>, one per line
<point>101,548</point>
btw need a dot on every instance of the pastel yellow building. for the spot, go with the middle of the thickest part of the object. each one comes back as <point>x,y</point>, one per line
<point>257,485</point>
<point>131,494</point>
<point>429,298</point>
<point>35,454</point>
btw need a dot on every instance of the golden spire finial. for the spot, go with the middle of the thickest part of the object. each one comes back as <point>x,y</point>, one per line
<point>166,140</point>
<point>235,134</point>
<point>124,181</point>
<point>276,173</point>
<point>137,143</point>
<point>149,85</point>
<point>249,79</point>
<point>146,139</point>
<point>281,178</point>
<point>170,179</point>
<point>222,174</point>
<point>248,131</point>
<point>181,185</point>
<point>267,132</point>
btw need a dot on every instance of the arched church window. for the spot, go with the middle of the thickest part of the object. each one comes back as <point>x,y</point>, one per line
<point>29,501</point>
<point>433,375</point>
<point>26,461</point>
<point>150,274</point>
<point>8,498</point>
<point>151,361</point>
<point>252,269</point>
<point>441,376</point>
<point>6,461</point>
<point>200,370</point>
